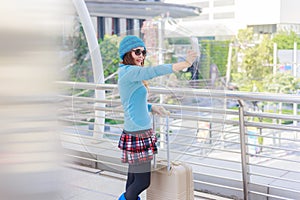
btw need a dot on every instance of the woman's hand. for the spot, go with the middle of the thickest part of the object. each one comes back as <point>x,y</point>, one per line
<point>161,111</point>
<point>190,58</point>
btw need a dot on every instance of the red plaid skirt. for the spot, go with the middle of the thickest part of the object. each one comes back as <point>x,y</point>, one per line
<point>138,147</point>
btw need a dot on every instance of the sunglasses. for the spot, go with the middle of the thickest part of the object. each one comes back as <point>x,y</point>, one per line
<point>139,52</point>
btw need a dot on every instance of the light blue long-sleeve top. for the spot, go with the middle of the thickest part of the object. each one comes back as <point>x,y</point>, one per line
<point>134,94</point>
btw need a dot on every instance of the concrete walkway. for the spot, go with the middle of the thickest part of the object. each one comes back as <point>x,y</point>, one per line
<point>83,183</point>
<point>105,155</point>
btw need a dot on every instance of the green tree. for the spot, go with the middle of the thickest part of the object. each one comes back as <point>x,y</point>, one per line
<point>243,41</point>
<point>281,83</point>
<point>110,57</point>
<point>258,59</point>
<point>213,52</point>
<point>254,63</point>
<point>81,70</point>
<point>254,71</point>
<point>285,40</point>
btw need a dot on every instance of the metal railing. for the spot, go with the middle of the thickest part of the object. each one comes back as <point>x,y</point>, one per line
<point>243,152</point>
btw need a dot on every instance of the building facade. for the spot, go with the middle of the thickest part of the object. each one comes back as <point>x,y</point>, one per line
<point>221,19</point>
<point>118,25</point>
<point>127,17</point>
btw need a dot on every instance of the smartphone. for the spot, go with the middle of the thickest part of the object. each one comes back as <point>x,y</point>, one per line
<point>196,48</point>
<point>195,45</point>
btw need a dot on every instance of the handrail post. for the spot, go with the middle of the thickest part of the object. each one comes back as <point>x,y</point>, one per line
<point>244,156</point>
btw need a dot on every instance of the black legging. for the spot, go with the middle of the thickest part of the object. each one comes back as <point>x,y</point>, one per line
<point>138,179</point>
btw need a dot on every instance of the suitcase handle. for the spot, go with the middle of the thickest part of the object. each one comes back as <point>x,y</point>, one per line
<point>167,143</point>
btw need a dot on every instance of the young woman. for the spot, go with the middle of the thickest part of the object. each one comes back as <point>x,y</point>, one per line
<point>138,141</point>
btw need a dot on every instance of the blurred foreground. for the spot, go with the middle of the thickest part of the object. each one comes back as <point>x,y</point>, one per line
<point>29,64</point>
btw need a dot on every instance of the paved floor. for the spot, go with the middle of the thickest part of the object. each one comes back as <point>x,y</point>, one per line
<point>90,185</point>
<point>81,183</point>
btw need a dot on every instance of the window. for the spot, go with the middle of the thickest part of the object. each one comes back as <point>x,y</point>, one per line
<point>100,27</point>
<point>115,26</point>
<point>224,15</point>
<point>204,4</point>
<point>264,29</point>
<point>130,26</point>
<point>219,3</point>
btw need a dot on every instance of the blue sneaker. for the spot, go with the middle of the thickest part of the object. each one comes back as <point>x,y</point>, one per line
<point>122,197</point>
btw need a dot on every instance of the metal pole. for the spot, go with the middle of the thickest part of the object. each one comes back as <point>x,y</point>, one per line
<point>228,64</point>
<point>228,72</point>
<point>279,122</point>
<point>295,75</point>
<point>295,60</point>
<point>244,156</point>
<point>160,30</point>
<point>154,158</point>
<point>274,58</point>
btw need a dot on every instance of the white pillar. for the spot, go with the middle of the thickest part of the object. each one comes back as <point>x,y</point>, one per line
<point>136,27</point>
<point>122,27</point>
<point>97,65</point>
<point>211,10</point>
<point>108,26</point>
<point>95,24</point>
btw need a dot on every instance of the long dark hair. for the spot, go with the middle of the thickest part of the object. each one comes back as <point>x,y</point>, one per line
<point>128,60</point>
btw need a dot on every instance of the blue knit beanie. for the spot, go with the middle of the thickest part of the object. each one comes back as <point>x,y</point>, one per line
<point>128,43</point>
